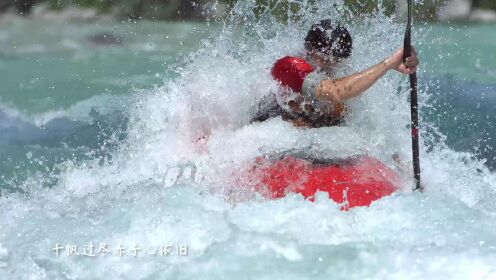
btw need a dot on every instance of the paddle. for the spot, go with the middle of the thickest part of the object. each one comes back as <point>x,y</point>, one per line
<point>407,50</point>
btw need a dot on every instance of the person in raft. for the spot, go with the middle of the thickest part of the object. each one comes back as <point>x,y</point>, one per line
<point>308,96</point>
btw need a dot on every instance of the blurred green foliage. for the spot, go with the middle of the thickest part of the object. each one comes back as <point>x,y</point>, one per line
<point>282,10</point>
<point>426,11</point>
<point>102,5</point>
<point>153,9</point>
<point>484,4</point>
<point>371,6</point>
<point>186,9</point>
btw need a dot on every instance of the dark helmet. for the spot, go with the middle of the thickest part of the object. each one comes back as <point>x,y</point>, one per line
<point>324,38</point>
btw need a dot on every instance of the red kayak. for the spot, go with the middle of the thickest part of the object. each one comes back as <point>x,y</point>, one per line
<point>352,182</point>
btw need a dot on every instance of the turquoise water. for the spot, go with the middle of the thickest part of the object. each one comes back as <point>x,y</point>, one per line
<point>52,66</point>
<point>97,146</point>
<point>60,74</point>
<point>461,64</point>
<point>63,96</point>
<point>464,52</point>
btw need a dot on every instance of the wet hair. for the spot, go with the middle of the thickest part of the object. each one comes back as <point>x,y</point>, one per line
<point>322,37</point>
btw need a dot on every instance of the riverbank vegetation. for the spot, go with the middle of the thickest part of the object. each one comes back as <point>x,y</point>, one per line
<point>211,9</point>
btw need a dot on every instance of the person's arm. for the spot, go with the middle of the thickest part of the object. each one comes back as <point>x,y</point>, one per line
<point>348,87</point>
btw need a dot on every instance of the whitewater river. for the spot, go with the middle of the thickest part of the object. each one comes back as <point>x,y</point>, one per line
<point>102,174</point>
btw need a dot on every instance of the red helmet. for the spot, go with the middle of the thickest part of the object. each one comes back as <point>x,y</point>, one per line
<point>291,72</point>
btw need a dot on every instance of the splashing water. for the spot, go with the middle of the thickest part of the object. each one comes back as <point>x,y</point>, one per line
<point>164,186</point>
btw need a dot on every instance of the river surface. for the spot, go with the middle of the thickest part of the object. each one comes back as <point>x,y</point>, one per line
<point>99,129</point>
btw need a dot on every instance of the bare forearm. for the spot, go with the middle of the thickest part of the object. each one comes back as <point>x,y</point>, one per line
<point>357,83</point>
<point>352,86</point>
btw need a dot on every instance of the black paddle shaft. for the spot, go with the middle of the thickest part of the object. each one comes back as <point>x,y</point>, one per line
<point>407,50</point>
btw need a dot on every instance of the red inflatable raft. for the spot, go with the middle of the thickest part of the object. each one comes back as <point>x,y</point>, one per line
<point>352,182</point>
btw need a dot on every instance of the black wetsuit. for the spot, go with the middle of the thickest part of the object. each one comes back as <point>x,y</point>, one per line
<point>269,108</point>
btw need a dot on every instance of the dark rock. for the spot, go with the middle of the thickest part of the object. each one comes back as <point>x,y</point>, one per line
<point>105,39</point>
<point>23,7</point>
<point>5,5</point>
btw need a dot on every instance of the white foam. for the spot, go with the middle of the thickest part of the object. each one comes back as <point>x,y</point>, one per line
<point>147,196</point>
